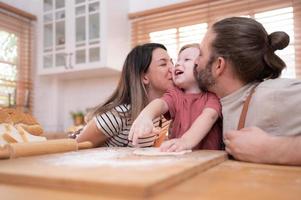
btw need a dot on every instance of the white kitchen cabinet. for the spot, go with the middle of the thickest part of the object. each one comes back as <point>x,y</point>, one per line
<point>83,36</point>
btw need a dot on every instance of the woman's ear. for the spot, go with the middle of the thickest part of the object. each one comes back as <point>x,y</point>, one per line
<point>145,79</point>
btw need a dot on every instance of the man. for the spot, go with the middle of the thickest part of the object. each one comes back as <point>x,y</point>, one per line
<point>238,62</point>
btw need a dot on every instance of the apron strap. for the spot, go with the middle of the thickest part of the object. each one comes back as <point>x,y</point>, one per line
<point>243,114</point>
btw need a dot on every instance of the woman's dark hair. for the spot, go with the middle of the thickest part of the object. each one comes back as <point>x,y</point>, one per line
<point>130,89</point>
<point>245,43</point>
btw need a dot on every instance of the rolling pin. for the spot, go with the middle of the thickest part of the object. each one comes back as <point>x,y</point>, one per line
<point>15,150</point>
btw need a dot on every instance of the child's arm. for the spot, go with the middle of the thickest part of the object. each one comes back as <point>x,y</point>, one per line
<point>143,124</point>
<point>198,130</point>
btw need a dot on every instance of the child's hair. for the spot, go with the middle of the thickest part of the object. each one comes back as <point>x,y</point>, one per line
<point>192,45</point>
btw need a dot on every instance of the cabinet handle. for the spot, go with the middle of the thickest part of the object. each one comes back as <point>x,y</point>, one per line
<point>66,55</point>
<point>70,64</point>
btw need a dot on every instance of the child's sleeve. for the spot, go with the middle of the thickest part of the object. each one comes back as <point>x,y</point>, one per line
<point>214,103</point>
<point>170,97</point>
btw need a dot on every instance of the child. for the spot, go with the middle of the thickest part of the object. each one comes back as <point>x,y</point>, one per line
<point>195,113</point>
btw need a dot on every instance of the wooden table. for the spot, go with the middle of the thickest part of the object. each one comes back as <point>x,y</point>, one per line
<point>240,180</point>
<point>212,177</point>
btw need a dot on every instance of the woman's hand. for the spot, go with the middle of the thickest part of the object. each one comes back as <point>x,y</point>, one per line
<point>177,144</point>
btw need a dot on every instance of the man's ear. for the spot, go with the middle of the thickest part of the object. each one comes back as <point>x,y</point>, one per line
<point>145,79</point>
<point>220,66</point>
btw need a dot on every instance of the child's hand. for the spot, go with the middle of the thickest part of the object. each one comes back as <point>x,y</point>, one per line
<point>178,144</point>
<point>141,127</point>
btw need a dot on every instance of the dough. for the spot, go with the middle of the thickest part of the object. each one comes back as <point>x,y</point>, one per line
<point>153,151</point>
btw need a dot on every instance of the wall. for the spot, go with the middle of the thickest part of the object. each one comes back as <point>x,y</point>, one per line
<point>141,5</point>
<point>134,5</point>
<point>55,98</point>
<point>31,6</point>
<point>78,95</point>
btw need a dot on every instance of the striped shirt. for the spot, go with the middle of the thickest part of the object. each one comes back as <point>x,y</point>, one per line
<point>116,126</point>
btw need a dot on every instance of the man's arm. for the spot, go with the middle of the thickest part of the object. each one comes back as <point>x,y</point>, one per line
<point>255,145</point>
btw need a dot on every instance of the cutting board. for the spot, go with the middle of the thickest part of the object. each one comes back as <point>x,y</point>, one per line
<point>114,171</point>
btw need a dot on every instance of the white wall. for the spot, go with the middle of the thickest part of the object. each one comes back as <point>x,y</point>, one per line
<point>141,5</point>
<point>46,94</point>
<point>31,6</point>
<point>78,95</point>
<point>54,98</point>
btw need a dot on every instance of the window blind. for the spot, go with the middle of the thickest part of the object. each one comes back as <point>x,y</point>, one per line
<point>187,22</point>
<point>16,74</point>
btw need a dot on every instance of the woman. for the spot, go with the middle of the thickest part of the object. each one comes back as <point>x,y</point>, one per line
<point>146,75</point>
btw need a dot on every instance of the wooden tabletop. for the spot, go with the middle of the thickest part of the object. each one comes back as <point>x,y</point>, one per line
<point>225,179</point>
<point>240,180</point>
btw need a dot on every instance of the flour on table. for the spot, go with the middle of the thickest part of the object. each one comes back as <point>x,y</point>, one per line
<point>99,157</point>
<point>152,151</point>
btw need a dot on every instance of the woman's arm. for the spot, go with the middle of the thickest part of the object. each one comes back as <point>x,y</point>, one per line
<point>92,133</point>
<point>198,130</point>
<point>255,145</point>
<point>143,124</point>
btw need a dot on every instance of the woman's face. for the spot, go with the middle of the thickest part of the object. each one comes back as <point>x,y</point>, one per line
<point>158,78</point>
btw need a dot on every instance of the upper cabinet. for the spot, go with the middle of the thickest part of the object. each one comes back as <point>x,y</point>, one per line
<point>83,35</point>
<point>54,37</point>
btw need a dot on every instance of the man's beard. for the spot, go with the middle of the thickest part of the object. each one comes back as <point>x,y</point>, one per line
<point>204,77</point>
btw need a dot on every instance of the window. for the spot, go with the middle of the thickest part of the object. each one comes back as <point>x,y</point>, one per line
<point>281,20</point>
<point>16,37</point>
<point>167,37</point>
<point>187,22</point>
<point>175,38</point>
<point>8,69</point>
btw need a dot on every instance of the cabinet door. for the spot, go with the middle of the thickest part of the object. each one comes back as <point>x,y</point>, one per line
<point>85,47</point>
<point>54,34</point>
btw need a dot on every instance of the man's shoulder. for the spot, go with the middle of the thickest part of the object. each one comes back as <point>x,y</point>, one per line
<point>279,89</point>
<point>279,83</point>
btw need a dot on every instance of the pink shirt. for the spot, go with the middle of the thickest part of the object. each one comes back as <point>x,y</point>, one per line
<point>185,108</point>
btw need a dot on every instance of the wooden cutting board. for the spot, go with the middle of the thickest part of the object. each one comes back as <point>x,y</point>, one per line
<point>114,171</point>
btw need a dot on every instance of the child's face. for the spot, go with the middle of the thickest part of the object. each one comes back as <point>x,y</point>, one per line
<point>183,71</point>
